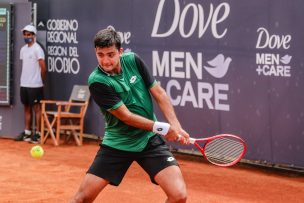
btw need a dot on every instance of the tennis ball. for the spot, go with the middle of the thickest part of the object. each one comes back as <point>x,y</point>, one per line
<point>37,152</point>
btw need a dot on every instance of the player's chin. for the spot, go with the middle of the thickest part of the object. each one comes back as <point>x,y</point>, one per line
<point>107,68</point>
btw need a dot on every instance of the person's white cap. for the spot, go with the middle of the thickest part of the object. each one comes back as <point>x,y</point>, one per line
<point>30,28</point>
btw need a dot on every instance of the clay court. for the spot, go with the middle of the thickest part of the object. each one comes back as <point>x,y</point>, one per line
<point>56,177</point>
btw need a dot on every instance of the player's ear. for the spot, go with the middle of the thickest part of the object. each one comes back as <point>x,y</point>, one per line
<point>121,51</point>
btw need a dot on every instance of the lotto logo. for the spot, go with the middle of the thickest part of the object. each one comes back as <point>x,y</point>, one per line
<point>170,159</point>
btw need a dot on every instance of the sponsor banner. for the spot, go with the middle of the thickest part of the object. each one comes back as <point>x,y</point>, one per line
<point>228,66</point>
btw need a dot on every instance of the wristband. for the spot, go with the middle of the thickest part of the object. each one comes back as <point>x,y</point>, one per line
<point>161,128</point>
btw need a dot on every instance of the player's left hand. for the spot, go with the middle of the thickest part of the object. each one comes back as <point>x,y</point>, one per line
<point>183,138</point>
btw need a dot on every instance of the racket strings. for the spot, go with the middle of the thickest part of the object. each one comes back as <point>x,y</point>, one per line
<point>224,150</point>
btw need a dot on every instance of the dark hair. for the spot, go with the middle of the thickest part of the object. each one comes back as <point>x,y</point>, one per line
<point>107,37</point>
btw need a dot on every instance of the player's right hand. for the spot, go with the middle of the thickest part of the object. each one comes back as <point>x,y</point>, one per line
<point>178,135</point>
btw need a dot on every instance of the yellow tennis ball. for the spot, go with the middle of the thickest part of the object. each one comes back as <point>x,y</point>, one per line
<point>37,152</point>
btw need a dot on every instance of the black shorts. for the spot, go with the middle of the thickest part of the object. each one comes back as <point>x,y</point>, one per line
<point>112,164</point>
<point>31,95</point>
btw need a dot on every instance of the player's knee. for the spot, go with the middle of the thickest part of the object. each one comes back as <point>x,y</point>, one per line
<point>78,198</point>
<point>180,197</point>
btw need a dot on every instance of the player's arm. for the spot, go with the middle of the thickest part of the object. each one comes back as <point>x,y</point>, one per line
<point>164,103</point>
<point>42,68</point>
<point>129,118</point>
<point>107,99</point>
<point>123,113</point>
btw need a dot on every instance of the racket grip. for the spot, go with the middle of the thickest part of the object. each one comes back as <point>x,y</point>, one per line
<point>192,140</point>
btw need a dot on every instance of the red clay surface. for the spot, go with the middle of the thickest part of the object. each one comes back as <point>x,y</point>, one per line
<point>57,176</point>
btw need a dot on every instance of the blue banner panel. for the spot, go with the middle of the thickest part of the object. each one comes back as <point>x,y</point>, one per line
<point>228,66</point>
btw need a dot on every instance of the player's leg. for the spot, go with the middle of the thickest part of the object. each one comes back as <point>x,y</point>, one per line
<point>172,182</point>
<point>90,187</point>
<point>163,169</point>
<point>109,167</point>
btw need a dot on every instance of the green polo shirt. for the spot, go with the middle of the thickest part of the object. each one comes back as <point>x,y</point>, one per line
<point>131,88</point>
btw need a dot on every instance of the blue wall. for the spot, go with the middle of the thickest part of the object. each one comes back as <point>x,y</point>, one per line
<point>229,66</point>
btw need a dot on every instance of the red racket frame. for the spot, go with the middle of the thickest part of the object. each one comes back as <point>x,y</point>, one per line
<point>195,141</point>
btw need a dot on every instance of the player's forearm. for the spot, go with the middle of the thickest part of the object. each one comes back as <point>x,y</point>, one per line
<point>166,107</point>
<point>138,121</point>
<point>129,118</point>
<point>168,111</point>
<point>175,131</point>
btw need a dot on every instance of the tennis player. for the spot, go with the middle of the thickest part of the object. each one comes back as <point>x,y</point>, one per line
<point>122,87</point>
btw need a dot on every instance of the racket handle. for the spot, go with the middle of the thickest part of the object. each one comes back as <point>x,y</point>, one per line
<point>192,140</point>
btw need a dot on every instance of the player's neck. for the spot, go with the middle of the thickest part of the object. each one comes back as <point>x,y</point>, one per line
<point>115,71</point>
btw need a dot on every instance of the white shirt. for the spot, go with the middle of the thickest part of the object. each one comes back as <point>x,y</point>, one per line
<point>31,71</point>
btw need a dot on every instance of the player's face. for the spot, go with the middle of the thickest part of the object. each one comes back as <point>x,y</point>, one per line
<point>109,59</point>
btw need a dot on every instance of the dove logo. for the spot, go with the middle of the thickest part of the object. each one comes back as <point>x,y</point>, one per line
<point>270,64</point>
<point>219,66</point>
<point>125,37</point>
<point>272,41</point>
<point>273,64</point>
<point>285,59</point>
<point>192,15</point>
<point>184,65</point>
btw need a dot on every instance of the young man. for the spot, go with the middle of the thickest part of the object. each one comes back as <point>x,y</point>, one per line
<point>31,83</point>
<point>122,87</point>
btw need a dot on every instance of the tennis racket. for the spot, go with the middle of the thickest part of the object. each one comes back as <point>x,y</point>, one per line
<point>221,150</point>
